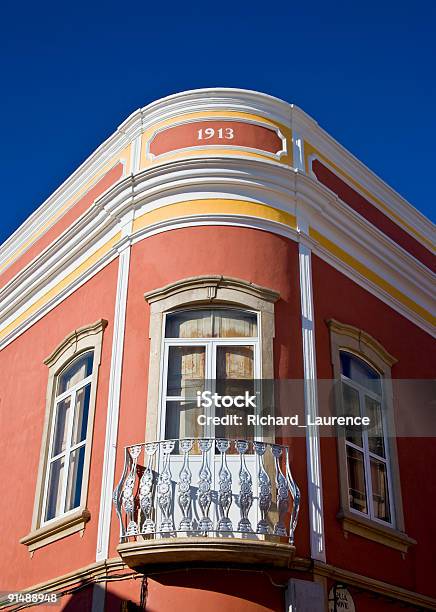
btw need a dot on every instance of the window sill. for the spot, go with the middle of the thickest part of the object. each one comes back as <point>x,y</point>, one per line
<point>359,525</point>
<point>57,529</point>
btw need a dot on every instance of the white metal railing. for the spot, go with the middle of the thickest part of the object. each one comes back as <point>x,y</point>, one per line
<point>206,486</point>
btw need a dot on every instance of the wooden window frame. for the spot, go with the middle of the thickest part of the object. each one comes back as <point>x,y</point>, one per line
<point>211,345</point>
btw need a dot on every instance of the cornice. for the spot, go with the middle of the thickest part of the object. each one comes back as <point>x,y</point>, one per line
<point>272,184</point>
<point>347,225</point>
<point>42,215</point>
<point>216,98</point>
<point>311,131</point>
<point>202,100</point>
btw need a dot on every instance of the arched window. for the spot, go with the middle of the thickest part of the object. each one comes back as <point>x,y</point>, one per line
<point>366,448</point>
<point>60,507</point>
<point>68,437</point>
<point>215,329</point>
<point>368,469</point>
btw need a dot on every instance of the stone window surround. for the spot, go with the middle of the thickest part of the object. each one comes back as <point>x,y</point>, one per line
<point>360,343</point>
<point>79,341</point>
<point>204,291</point>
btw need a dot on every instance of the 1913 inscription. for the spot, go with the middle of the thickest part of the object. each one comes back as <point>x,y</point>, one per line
<point>223,133</point>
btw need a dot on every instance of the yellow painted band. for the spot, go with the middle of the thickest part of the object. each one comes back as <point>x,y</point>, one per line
<point>213,206</point>
<point>311,150</point>
<point>193,208</point>
<point>67,280</point>
<point>372,276</point>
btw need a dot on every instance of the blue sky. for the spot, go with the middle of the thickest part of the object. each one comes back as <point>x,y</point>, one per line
<point>71,73</point>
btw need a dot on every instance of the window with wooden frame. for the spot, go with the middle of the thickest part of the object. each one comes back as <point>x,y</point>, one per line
<point>215,347</point>
<point>215,306</point>
<point>62,484</point>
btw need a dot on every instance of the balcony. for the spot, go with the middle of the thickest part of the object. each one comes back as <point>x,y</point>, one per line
<point>206,501</point>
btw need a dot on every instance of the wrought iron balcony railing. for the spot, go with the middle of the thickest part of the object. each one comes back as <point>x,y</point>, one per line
<point>207,487</point>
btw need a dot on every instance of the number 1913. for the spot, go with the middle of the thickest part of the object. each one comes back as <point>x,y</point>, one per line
<point>221,133</point>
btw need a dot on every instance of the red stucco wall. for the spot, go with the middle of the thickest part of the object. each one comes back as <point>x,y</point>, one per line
<point>23,385</point>
<point>336,296</point>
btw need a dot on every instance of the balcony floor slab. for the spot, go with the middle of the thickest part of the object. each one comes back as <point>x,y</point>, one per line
<point>142,555</point>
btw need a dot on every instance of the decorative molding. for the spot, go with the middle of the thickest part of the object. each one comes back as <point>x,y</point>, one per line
<point>56,530</point>
<point>110,448</point>
<point>391,591</point>
<point>363,339</point>
<point>64,292</point>
<point>352,523</point>
<point>204,147</point>
<point>427,243</point>
<point>334,152</point>
<point>90,573</point>
<point>278,187</point>
<point>342,265</point>
<point>74,338</point>
<point>314,476</point>
<point>213,283</point>
<point>218,99</point>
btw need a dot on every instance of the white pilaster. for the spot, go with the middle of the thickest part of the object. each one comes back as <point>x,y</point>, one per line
<point>314,477</point>
<point>107,484</point>
<point>298,150</point>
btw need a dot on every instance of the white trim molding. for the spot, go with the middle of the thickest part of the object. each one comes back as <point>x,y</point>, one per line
<point>107,482</point>
<point>314,476</point>
<point>283,189</point>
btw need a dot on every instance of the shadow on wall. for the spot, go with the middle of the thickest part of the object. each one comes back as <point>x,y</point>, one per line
<point>81,601</point>
<point>226,589</point>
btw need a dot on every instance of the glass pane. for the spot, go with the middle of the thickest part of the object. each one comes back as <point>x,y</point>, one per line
<point>354,368</point>
<point>351,408</point>
<point>61,426</point>
<point>234,324</point>
<point>218,323</point>
<point>380,495</point>
<point>80,423</point>
<point>235,362</point>
<point>376,442</point>
<point>77,371</point>
<point>356,480</point>
<point>181,420</point>
<point>235,374</point>
<point>56,478</point>
<point>75,474</point>
<point>186,366</point>
<point>189,324</point>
